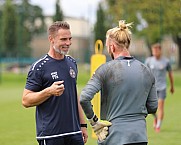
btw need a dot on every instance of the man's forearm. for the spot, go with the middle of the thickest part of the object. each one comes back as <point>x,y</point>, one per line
<point>171,79</point>
<point>87,107</point>
<point>81,114</point>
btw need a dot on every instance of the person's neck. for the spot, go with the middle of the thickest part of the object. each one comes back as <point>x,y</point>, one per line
<point>55,55</point>
<point>158,57</point>
<point>123,53</point>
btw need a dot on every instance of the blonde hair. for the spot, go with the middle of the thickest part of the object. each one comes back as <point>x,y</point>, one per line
<point>121,34</point>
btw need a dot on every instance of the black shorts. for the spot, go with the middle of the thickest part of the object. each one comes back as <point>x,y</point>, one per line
<point>75,139</point>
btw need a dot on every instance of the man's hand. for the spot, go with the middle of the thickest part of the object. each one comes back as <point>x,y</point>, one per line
<point>57,88</point>
<point>171,89</point>
<point>100,124</point>
<point>102,133</point>
<point>100,127</point>
<point>84,134</point>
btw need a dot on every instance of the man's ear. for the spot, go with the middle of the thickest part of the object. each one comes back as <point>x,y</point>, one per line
<point>51,40</point>
<point>113,48</point>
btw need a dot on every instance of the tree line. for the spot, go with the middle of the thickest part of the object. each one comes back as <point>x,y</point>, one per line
<point>19,22</point>
<point>152,19</point>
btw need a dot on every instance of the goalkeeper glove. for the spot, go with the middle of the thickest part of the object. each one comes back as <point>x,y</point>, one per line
<point>100,127</point>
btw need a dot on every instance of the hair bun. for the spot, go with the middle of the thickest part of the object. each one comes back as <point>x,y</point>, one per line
<point>122,25</point>
<point>125,26</point>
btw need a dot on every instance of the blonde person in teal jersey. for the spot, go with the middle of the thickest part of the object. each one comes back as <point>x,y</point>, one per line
<point>160,65</point>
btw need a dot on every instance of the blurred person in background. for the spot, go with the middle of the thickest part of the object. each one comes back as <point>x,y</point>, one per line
<point>128,93</point>
<point>160,65</point>
<point>51,87</point>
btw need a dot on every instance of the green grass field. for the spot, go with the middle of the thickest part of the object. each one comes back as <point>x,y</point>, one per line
<point>17,124</point>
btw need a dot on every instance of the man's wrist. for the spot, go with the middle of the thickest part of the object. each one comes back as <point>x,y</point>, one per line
<point>93,120</point>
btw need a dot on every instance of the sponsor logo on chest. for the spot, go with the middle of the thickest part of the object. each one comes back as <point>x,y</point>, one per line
<point>54,75</point>
<point>71,72</point>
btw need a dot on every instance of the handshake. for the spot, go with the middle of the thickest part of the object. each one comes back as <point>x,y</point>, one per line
<point>100,127</point>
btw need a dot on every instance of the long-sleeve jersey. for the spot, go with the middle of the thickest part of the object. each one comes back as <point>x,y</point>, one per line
<point>128,94</point>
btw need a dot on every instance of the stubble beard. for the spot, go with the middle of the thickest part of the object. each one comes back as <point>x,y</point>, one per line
<point>60,51</point>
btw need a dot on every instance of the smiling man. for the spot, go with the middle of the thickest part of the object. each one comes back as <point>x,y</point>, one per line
<point>51,87</point>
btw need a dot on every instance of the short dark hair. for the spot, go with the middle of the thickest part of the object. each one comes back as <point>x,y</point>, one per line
<point>56,26</point>
<point>156,45</point>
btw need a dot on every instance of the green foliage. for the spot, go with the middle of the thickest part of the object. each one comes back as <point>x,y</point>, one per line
<point>9,29</point>
<point>160,15</point>
<point>100,26</point>
<point>31,22</point>
<point>152,19</point>
<point>18,23</point>
<point>31,17</point>
<point>59,13</point>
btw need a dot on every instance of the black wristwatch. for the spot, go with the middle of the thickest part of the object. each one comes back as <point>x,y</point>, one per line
<point>83,125</point>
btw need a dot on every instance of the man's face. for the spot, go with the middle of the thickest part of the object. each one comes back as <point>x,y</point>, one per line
<point>62,41</point>
<point>156,51</point>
